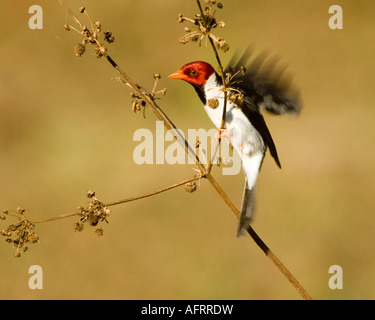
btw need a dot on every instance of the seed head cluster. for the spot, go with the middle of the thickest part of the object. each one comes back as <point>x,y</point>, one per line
<point>91,36</point>
<point>138,102</point>
<point>191,187</point>
<point>94,213</point>
<point>202,24</point>
<point>20,233</point>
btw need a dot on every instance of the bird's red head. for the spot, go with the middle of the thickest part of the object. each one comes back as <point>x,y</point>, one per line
<point>195,73</point>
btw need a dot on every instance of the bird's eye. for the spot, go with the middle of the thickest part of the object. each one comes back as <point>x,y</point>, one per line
<point>193,72</point>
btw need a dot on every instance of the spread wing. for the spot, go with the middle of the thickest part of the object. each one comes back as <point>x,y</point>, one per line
<point>265,85</point>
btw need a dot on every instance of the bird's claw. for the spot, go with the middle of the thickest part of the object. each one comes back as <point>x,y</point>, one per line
<point>222,133</point>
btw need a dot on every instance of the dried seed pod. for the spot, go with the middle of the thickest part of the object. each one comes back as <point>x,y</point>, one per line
<point>190,187</point>
<point>109,37</point>
<point>180,18</point>
<point>79,49</point>
<point>221,24</point>
<point>32,237</point>
<point>78,226</point>
<point>99,232</point>
<point>90,194</point>
<point>213,103</point>
<point>98,26</point>
<point>100,51</point>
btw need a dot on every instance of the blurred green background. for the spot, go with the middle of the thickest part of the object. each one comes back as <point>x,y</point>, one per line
<point>66,128</point>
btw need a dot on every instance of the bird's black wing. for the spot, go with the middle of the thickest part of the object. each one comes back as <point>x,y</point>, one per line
<point>251,111</point>
<point>263,83</point>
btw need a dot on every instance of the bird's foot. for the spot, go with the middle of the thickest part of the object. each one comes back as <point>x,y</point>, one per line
<point>222,133</point>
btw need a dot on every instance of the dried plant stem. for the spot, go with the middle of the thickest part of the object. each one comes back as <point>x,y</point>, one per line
<point>212,44</point>
<point>147,98</point>
<point>181,183</point>
<point>305,295</point>
<point>63,216</point>
<point>156,110</point>
<point>260,242</point>
<point>154,192</point>
<point>62,2</point>
<point>221,71</point>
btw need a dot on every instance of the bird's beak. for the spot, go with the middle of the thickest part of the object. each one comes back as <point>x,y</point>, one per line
<point>177,75</point>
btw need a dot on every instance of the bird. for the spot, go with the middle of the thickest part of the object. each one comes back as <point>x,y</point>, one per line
<point>252,85</point>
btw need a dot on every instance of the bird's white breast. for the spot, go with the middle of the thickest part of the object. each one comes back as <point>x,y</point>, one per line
<point>243,136</point>
<point>245,139</point>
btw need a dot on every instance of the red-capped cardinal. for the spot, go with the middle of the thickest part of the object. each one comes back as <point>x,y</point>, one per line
<point>244,124</point>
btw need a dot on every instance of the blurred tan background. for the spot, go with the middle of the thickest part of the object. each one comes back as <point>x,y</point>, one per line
<point>66,128</point>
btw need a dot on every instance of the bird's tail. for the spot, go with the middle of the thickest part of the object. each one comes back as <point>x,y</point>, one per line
<point>247,209</point>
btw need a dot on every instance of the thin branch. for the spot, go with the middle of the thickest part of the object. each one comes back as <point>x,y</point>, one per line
<point>62,2</point>
<point>211,42</point>
<point>181,183</point>
<point>156,110</point>
<point>221,71</point>
<point>305,295</point>
<point>146,195</point>
<point>63,216</point>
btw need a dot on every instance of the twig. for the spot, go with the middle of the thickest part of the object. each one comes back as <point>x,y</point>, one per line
<point>305,295</point>
<point>156,110</point>
<point>63,216</point>
<point>154,192</point>
<point>211,42</point>
<point>221,71</point>
<point>183,182</point>
<point>62,2</point>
